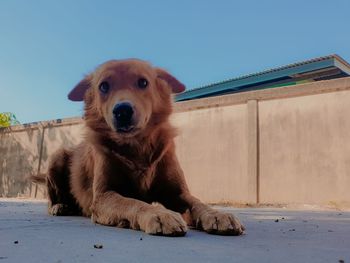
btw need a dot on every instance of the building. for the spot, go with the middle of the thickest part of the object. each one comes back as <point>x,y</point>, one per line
<point>323,68</point>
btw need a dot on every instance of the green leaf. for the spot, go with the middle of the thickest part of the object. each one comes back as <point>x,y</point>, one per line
<point>7,119</point>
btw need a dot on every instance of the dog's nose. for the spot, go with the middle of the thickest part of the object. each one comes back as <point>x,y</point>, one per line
<point>123,113</point>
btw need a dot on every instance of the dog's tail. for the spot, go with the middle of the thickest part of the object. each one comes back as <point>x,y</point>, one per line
<point>38,179</point>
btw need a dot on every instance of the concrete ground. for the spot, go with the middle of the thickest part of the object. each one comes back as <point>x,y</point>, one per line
<point>28,234</point>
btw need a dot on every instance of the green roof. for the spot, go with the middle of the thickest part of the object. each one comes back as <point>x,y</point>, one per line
<point>328,67</point>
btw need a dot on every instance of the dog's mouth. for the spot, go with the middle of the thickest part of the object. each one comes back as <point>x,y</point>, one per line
<point>127,129</point>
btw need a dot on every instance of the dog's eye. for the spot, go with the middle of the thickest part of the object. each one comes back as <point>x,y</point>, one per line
<point>142,83</point>
<point>104,87</point>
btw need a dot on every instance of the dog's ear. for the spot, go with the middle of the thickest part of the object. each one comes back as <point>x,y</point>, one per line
<point>176,86</point>
<point>78,92</point>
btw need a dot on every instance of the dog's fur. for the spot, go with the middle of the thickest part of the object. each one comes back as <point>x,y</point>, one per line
<point>115,177</point>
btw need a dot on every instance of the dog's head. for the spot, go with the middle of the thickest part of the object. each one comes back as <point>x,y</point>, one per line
<point>126,97</point>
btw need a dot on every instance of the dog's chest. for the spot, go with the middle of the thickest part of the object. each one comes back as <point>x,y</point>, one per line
<point>140,166</point>
<point>136,177</point>
<point>144,178</point>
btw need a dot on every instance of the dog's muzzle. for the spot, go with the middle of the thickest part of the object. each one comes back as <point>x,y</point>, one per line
<point>123,113</point>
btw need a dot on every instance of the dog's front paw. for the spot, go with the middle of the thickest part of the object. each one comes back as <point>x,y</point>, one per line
<point>214,222</point>
<point>59,210</point>
<point>163,222</point>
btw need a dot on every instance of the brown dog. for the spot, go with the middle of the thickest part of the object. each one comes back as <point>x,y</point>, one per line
<point>127,160</point>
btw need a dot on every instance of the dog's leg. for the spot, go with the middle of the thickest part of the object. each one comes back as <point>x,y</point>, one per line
<point>110,208</point>
<point>61,201</point>
<point>174,194</point>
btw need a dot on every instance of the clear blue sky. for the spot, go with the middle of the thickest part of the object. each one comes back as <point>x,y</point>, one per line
<point>47,46</point>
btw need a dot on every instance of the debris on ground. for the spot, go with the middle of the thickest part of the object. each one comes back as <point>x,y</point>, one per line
<point>98,246</point>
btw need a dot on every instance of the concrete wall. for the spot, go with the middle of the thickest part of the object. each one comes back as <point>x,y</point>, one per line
<point>25,150</point>
<point>285,145</point>
<point>19,157</point>
<point>212,148</point>
<point>305,149</point>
